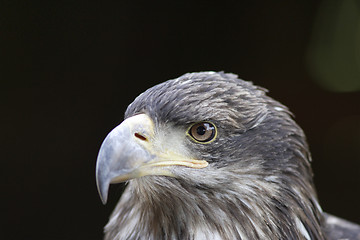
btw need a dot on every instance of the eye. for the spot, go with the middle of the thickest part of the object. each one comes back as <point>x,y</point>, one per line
<point>202,132</point>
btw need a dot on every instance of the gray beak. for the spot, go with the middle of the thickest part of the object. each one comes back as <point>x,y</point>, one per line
<point>122,152</point>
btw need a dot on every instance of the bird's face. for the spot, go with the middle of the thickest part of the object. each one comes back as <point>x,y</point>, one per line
<point>199,130</point>
<point>137,148</point>
<point>207,145</point>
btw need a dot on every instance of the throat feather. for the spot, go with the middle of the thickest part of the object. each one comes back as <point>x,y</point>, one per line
<point>170,209</point>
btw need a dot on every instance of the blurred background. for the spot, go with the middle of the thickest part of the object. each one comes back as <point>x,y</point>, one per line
<point>68,70</point>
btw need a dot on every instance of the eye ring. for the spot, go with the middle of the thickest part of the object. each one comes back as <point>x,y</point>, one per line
<point>203,132</point>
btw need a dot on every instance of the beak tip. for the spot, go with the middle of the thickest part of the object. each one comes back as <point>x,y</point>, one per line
<point>103,189</point>
<point>103,199</point>
<point>102,183</point>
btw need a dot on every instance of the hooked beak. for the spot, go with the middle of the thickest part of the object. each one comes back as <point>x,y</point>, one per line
<point>128,152</point>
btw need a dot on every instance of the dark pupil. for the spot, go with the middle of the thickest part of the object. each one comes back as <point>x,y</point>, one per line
<point>201,130</point>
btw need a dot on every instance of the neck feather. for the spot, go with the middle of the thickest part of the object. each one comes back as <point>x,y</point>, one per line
<point>253,208</point>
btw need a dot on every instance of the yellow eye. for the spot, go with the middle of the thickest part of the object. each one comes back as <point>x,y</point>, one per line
<point>202,132</point>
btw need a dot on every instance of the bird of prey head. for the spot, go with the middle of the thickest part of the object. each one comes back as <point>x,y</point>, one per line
<point>210,156</point>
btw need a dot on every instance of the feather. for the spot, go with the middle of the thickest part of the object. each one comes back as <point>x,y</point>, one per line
<point>257,183</point>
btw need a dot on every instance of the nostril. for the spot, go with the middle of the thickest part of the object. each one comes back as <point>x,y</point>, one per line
<point>141,137</point>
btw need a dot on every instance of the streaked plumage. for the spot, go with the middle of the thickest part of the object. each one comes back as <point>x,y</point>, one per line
<point>257,182</point>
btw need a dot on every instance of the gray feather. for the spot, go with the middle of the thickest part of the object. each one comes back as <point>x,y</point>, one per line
<point>259,182</point>
<point>337,228</point>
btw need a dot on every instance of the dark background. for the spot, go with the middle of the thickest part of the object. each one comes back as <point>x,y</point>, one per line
<point>69,68</point>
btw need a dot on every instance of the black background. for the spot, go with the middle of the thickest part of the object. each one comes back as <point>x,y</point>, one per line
<point>69,69</point>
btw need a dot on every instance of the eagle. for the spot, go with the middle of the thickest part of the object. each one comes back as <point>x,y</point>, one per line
<point>210,156</point>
